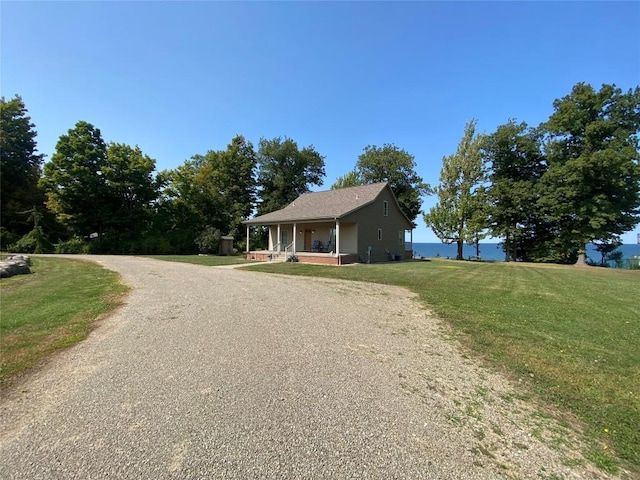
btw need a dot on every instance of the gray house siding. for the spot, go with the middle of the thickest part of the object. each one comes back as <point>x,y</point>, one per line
<point>353,220</point>
<point>370,218</point>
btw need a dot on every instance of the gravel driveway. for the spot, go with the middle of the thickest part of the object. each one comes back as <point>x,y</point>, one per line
<point>226,373</point>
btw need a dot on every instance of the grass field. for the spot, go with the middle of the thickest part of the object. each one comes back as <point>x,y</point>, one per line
<point>53,308</point>
<point>571,334</point>
<point>209,260</point>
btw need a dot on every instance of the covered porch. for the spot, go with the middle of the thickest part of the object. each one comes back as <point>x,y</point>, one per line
<point>324,242</point>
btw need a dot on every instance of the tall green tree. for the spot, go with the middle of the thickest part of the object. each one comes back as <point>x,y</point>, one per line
<point>132,192</point>
<point>398,167</point>
<point>20,168</point>
<point>591,190</point>
<point>210,195</point>
<point>232,174</point>
<point>285,172</point>
<point>184,209</point>
<point>515,163</point>
<point>75,181</point>
<point>459,214</point>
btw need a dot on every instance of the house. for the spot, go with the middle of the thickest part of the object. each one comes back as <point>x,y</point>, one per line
<point>347,225</point>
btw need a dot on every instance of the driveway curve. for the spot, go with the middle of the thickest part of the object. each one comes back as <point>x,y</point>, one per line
<point>211,372</point>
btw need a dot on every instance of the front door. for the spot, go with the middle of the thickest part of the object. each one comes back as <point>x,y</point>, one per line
<point>307,240</point>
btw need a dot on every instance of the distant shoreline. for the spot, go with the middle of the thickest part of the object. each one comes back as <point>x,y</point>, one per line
<point>493,251</point>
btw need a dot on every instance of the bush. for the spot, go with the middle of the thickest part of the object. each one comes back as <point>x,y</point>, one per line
<point>209,240</point>
<point>75,245</point>
<point>33,242</point>
<point>156,245</point>
<point>7,238</point>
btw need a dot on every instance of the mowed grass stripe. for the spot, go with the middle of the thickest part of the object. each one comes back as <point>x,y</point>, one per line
<point>53,308</point>
<point>571,334</point>
<point>207,260</point>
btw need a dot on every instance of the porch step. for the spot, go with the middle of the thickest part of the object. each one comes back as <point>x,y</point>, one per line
<point>279,258</point>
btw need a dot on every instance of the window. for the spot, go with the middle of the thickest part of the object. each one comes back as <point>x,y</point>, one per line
<point>379,234</point>
<point>400,237</point>
<point>385,208</point>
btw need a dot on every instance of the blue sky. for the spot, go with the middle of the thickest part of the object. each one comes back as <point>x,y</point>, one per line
<point>182,78</point>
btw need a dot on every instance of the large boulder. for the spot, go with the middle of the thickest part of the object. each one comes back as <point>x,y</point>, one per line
<point>14,265</point>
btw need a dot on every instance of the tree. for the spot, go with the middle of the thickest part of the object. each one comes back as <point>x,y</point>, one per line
<point>231,173</point>
<point>106,192</point>
<point>591,190</point>
<point>132,192</point>
<point>209,193</point>
<point>396,166</point>
<point>183,209</point>
<point>20,168</point>
<point>606,248</point>
<point>350,179</point>
<point>285,172</point>
<point>515,164</point>
<point>36,240</point>
<point>459,214</point>
<point>75,181</point>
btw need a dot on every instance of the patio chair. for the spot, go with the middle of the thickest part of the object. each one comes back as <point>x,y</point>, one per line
<point>316,246</point>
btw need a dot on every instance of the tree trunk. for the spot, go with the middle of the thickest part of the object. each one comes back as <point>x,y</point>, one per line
<point>582,257</point>
<point>507,246</point>
<point>459,254</point>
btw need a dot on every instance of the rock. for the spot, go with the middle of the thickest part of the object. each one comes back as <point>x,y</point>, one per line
<point>15,265</point>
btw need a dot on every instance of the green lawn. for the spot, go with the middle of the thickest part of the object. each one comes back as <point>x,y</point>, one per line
<point>209,260</point>
<point>53,308</point>
<point>573,334</point>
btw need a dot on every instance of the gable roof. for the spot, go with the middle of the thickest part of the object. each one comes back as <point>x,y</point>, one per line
<point>326,205</point>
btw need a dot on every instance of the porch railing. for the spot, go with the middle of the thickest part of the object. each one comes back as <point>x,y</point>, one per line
<point>288,250</point>
<point>275,251</point>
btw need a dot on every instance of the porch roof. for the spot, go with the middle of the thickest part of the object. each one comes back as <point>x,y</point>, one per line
<point>322,206</point>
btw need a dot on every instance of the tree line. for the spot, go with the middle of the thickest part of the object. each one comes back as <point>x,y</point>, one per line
<point>545,191</point>
<point>99,197</point>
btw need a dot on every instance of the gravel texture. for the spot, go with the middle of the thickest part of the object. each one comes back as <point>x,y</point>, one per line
<point>226,373</point>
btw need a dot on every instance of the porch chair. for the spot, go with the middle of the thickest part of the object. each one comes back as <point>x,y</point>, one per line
<point>316,246</point>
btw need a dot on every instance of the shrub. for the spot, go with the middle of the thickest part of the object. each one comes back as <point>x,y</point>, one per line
<point>75,245</point>
<point>209,240</point>
<point>33,242</point>
<point>7,238</point>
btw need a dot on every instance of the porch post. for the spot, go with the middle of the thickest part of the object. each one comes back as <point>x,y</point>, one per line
<point>295,231</point>
<point>248,249</point>
<point>278,239</point>
<point>338,238</point>
<point>412,250</point>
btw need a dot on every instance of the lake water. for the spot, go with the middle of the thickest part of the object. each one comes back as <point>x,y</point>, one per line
<point>493,251</point>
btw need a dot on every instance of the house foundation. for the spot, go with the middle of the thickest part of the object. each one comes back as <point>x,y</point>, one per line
<point>305,257</point>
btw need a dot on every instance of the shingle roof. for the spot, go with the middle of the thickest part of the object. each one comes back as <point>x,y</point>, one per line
<point>327,205</point>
